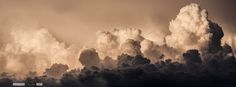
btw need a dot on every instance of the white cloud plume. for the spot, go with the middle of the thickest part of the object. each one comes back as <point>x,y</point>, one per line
<point>190,29</point>
<point>36,50</point>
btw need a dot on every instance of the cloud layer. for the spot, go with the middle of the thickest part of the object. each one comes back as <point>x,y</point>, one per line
<point>191,55</point>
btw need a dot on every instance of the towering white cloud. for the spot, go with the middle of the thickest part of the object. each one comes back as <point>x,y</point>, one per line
<point>190,29</point>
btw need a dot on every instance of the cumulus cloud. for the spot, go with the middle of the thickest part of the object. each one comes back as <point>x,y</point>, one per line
<point>89,57</point>
<point>130,33</point>
<point>125,60</point>
<point>190,29</point>
<point>109,63</point>
<point>135,61</point>
<point>151,51</point>
<point>35,50</point>
<point>107,41</point>
<point>128,41</point>
<point>192,59</point>
<point>131,47</point>
<point>56,70</point>
<point>217,33</point>
<point>117,40</point>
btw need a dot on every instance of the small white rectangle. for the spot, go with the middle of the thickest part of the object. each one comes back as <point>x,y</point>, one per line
<point>39,84</point>
<point>18,84</point>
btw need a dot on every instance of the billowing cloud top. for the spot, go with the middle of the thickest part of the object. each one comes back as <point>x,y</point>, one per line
<point>35,50</point>
<point>190,29</point>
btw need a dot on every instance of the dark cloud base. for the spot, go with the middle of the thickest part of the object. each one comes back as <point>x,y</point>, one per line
<point>138,72</point>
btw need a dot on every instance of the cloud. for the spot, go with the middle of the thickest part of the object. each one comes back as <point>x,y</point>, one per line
<point>192,56</point>
<point>89,57</point>
<point>35,50</point>
<point>129,59</point>
<point>109,63</point>
<point>131,47</point>
<point>125,60</point>
<point>119,41</point>
<point>56,70</point>
<point>190,29</point>
<point>128,41</point>
<point>151,51</point>
<point>107,41</point>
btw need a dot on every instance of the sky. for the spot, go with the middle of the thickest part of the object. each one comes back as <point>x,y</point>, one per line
<point>77,21</point>
<point>112,43</point>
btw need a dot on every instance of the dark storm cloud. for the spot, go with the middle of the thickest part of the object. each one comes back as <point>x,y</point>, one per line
<point>192,56</point>
<point>214,44</point>
<point>139,72</point>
